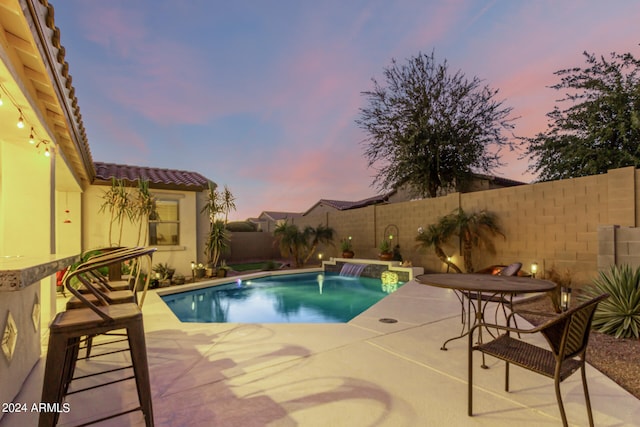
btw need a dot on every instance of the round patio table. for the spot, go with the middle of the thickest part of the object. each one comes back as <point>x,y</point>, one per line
<point>479,284</point>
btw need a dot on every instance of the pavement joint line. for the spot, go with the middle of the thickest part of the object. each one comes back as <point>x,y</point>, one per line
<point>476,387</point>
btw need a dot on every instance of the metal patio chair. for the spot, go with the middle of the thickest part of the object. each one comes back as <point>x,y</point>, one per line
<point>567,335</point>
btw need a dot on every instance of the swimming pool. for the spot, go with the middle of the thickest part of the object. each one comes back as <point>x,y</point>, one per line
<point>292,298</point>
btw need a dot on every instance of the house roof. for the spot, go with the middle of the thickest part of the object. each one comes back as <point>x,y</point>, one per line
<point>169,179</point>
<point>278,216</point>
<point>342,205</point>
<point>498,180</point>
<point>38,80</point>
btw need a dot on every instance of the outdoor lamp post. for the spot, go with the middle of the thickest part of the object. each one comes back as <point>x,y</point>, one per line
<point>320,259</point>
<point>193,271</point>
<point>565,298</point>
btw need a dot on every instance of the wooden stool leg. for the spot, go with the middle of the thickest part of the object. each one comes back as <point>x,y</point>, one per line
<point>137,346</point>
<point>55,373</point>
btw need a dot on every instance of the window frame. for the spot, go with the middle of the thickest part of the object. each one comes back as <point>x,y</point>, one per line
<point>169,199</point>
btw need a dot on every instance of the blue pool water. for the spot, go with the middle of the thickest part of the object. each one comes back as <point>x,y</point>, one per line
<point>292,298</point>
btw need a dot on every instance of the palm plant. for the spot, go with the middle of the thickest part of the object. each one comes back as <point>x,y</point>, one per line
<point>143,208</point>
<point>618,315</point>
<point>437,235</point>
<point>117,201</point>
<point>217,242</point>
<point>228,203</point>
<point>319,235</point>
<point>300,245</point>
<point>213,206</point>
<point>474,230</point>
<point>291,241</point>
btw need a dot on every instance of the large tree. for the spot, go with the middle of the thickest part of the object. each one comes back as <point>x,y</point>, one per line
<point>430,128</point>
<point>599,129</point>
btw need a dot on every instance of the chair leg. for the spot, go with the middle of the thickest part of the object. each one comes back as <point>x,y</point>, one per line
<point>506,376</point>
<point>559,399</point>
<point>73,348</point>
<point>470,379</point>
<point>586,393</point>
<point>137,346</point>
<point>55,373</point>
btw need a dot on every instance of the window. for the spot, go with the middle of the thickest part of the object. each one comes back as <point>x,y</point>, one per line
<point>164,224</point>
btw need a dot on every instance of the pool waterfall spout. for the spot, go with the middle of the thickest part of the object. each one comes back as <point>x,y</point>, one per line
<point>352,270</point>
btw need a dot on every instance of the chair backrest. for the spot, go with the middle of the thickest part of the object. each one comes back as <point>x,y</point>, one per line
<point>99,261</point>
<point>568,334</point>
<point>511,269</point>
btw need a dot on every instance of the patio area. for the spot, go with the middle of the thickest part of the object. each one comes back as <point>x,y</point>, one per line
<point>363,373</point>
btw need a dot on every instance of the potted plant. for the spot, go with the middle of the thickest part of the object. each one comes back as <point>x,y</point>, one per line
<point>385,250</point>
<point>164,270</point>
<point>200,271</point>
<point>347,248</point>
<point>223,269</point>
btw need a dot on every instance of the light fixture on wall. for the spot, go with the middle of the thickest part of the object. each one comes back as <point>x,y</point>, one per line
<point>31,140</point>
<point>20,120</point>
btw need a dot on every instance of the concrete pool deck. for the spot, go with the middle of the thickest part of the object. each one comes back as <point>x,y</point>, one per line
<point>362,373</point>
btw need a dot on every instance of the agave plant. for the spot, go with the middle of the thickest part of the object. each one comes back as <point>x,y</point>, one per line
<point>618,315</point>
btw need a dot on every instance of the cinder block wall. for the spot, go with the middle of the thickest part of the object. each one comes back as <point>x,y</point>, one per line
<point>554,224</point>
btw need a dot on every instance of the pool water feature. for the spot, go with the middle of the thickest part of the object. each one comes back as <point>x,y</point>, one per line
<point>291,298</point>
<point>352,270</point>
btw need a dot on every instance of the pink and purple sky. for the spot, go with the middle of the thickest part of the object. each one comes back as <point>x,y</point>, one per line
<point>262,95</point>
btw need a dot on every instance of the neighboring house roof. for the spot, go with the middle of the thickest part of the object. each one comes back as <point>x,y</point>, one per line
<point>498,180</point>
<point>278,216</point>
<point>342,205</point>
<point>169,179</point>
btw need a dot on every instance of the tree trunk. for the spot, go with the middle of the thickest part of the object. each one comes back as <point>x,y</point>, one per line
<point>466,253</point>
<point>443,257</point>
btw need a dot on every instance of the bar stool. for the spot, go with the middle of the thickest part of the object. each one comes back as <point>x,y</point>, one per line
<point>94,285</point>
<point>70,326</point>
<point>96,288</point>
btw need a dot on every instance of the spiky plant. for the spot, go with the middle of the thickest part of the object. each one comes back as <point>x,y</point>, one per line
<point>618,315</point>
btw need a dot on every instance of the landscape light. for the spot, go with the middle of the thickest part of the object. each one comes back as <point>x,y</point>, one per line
<point>565,298</point>
<point>534,269</point>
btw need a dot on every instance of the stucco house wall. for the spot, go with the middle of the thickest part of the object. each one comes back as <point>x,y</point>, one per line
<point>96,228</point>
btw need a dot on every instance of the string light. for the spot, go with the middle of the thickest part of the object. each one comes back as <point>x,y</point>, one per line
<point>47,152</point>
<point>33,135</point>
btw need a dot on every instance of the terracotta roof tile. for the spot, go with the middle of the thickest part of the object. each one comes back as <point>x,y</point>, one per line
<point>157,177</point>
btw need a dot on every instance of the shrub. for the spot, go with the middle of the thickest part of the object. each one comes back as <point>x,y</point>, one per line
<point>241,226</point>
<point>562,280</point>
<point>618,315</point>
